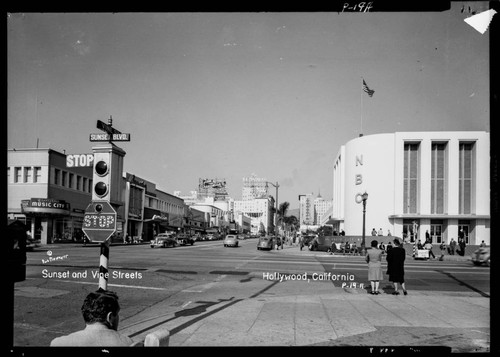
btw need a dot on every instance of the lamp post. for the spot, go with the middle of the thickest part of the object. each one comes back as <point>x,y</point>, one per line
<point>276,211</point>
<point>364,197</point>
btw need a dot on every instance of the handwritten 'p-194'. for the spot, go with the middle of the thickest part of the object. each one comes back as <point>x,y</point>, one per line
<point>99,221</point>
<point>361,7</point>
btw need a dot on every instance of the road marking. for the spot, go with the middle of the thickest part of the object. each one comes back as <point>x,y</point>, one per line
<point>186,304</point>
<point>115,285</point>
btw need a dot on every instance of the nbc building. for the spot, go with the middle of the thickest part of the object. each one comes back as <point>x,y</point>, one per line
<point>417,182</point>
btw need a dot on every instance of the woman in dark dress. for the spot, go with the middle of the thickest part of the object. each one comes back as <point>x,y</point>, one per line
<point>395,266</point>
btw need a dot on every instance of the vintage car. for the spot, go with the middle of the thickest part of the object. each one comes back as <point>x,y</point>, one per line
<point>231,240</point>
<point>184,239</point>
<point>266,242</point>
<point>481,256</point>
<point>164,240</point>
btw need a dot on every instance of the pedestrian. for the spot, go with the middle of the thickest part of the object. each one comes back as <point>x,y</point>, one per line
<point>427,236</point>
<point>100,312</point>
<point>419,245</point>
<point>483,244</point>
<point>301,242</point>
<point>389,246</point>
<point>395,266</point>
<point>374,260</point>
<point>428,246</point>
<point>453,246</point>
<point>442,246</point>
<point>461,244</point>
<point>380,232</point>
<point>389,233</point>
<point>374,232</point>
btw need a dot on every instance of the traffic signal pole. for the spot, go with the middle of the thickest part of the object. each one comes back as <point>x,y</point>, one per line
<point>100,216</point>
<point>103,266</point>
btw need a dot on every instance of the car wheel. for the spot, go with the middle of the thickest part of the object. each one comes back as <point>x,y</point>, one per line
<point>152,246</point>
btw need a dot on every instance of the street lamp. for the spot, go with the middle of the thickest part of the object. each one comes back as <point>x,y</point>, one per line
<point>276,211</point>
<point>364,197</point>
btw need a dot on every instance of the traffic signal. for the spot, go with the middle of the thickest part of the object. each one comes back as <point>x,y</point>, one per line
<point>107,175</point>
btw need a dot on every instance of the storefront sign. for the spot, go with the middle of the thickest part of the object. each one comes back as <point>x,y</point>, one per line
<point>80,160</point>
<point>45,206</point>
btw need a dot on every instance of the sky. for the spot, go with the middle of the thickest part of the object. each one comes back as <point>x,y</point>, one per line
<point>227,95</point>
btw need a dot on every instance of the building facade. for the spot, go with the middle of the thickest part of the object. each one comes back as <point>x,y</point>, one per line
<point>417,182</point>
<point>46,194</point>
<point>260,212</point>
<point>254,187</point>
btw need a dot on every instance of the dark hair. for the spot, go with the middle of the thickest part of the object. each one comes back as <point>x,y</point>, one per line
<point>97,305</point>
<point>374,243</point>
<point>396,241</point>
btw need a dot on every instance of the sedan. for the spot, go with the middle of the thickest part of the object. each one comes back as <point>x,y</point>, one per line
<point>231,240</point>
<point>265,243</point>
<point>164,240</point>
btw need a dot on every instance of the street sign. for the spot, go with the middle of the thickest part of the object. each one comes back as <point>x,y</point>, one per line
<point>107,127</point>
<point>99,221</point>
<point>108,137</point>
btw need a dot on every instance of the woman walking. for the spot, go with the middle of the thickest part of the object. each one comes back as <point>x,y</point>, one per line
<point>374,260</point>
<point>395,266</point>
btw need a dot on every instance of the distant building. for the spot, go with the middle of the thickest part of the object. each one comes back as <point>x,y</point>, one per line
<point>254,187</point>
<point>260,211</point>
<point>321,206</point>
<point>306,210</point>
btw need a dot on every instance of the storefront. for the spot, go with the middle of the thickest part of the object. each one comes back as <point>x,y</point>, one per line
<point>52,220</point>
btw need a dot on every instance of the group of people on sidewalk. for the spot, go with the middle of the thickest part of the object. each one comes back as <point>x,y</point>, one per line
<point>396,256</point>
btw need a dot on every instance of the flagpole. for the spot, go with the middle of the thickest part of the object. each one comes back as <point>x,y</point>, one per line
<point>361,133</point>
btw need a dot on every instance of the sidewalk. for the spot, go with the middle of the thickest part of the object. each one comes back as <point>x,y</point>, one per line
<point>294,249</point>
<point>326,315</point>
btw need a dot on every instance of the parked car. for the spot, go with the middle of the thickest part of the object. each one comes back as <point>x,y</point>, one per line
<point>164,240</point>
<point>481,256</point>
<point>231,240</point>
<point>266,242</point>
<point>185,239</point>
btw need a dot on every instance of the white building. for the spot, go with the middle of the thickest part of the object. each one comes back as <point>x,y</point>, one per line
<point>321,206</point>
<point>306,209</point>
<point>438,180</point>
<point>260,213</point>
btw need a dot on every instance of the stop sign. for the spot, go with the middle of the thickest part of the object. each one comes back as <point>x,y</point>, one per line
<point>99,221</point>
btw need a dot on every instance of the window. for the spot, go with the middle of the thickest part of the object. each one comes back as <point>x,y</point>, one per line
<point>438,184</point>
<point>465,178</point>
<point>78,183</point>
<point>410,193</point>
<point>64,175</point>
<point>8,174</point>
<point>28,175</point>
<point>57,176</point>
<point>85,187</point>
<point>17,175</point>
<point>37,174</point>
<point>71,183</point>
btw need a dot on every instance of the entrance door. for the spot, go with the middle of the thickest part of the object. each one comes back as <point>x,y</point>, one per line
<point>436,231</point>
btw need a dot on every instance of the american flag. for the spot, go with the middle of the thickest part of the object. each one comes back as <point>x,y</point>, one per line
<point>367,90</point>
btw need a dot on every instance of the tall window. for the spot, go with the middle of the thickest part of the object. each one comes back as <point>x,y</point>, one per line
<point>37,174</point>
<point>57,176</point>
<point>63,180</point>
<point>28,172</point>
<point>18,174</point>
<point>438,177</point>
<point>410,193</point>
<point>465,178</point>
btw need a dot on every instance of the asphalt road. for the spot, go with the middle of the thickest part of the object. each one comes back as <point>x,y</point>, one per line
<point>186,281</point>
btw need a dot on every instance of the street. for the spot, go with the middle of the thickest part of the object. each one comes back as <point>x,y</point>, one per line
<point>177,287</point>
